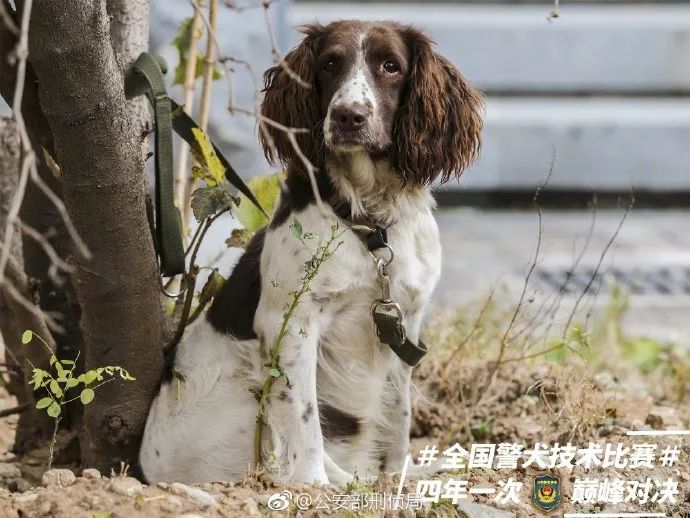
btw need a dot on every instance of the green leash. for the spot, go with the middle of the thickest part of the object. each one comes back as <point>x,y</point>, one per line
<point>146,77</point>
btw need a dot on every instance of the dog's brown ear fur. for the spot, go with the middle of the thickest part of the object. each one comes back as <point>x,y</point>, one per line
<point>293,105</point>
<point>439,123</point>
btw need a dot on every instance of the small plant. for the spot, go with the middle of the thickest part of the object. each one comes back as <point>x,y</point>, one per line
<point>62,384</point>
<point>324,250</point>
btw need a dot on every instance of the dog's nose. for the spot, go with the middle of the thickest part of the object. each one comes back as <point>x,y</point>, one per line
<point>350,118</point>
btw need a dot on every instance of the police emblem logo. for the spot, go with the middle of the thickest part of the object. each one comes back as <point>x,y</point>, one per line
<point>546,493</point>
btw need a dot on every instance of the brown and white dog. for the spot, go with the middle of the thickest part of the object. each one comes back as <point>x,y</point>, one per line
<point>386,116</point>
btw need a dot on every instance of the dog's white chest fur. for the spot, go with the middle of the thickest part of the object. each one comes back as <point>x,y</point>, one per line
<point>202,428</point>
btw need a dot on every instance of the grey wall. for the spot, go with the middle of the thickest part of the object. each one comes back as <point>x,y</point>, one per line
<point>605,87</point>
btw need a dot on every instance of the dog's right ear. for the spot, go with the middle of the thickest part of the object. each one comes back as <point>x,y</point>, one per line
<point>293,103</point>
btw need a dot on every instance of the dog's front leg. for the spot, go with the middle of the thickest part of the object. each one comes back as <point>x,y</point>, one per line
<point>395,435</point>
<point>292,413</point>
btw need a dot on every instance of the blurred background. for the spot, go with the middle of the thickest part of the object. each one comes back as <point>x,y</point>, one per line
<point>600,95</point>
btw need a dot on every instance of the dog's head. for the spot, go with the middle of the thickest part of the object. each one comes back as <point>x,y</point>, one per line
<point>377,87</point>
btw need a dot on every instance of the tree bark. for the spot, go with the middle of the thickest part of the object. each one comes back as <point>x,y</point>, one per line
<point>98,148</point>
<point>54,294</point>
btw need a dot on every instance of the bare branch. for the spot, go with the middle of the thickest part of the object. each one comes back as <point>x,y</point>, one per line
<point>15,410</point>
<point>7,19</point>
<point>604,252</point>
<point>262,120</point>
<point>277,56</point>
<point>530,271</point>
<point>47,248</point>
<point>182,174</point>
<point>60,206</point>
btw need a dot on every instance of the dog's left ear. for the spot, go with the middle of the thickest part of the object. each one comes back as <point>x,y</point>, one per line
<point>291,99</point>
<point>438,125</point>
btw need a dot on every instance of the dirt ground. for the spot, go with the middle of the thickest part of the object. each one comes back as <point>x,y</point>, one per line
<point>592,385</point>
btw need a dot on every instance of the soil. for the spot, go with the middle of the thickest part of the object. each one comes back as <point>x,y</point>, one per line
<point>460,397</point>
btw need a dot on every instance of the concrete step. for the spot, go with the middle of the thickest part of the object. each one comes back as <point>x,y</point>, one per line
<point>597,143</point>
<point>482,249</point>
<point>611,48</point>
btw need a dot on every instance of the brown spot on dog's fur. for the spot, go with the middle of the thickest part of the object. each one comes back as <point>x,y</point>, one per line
<point>308,411</point>
<point>338,425</point>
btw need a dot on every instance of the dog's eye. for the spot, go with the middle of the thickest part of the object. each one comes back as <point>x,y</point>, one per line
<point>391,66</point>
<point>329,66</point>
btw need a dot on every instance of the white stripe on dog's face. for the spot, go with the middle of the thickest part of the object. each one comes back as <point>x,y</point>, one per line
<point>360,89</point>
<point>356,88</point>
<point>355,93</point>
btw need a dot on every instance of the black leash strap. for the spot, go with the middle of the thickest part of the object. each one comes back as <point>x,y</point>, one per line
<point>390,332</point>
<point>146,77</point>
<point>387,315</point>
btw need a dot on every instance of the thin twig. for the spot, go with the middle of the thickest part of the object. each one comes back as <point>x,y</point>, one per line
<point>29,158</point>
<point>322,254</point>
<point>262,120</point>
<point>7,18</point>
<point>47,247</point>
<point>191,277</point>
<point>15,410</point>
<point>592,278</point>
<point>530,271</point>
<point>209,67</point>
<point>570,274</point>
<point>14,277</point>
<point>182,174</point>
<point>277,56</point>
<point>474,330</point>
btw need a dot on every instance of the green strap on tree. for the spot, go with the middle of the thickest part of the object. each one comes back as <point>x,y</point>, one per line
<point>146,77</point>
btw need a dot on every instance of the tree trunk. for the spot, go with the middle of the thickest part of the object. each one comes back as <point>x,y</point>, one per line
<point>98,148</point>
<point>39,213</point>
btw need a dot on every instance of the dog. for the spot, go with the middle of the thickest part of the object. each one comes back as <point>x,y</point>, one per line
<point>385,116</point>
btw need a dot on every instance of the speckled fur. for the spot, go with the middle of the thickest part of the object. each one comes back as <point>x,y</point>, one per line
<point>348,409</point>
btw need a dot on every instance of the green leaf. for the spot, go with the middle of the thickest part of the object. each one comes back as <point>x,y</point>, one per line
<point>89,377</point>
<point>53,359</point>
<point>37,377</point>
<point>240,237</point>
<point>55,388</point>
<point>27,336</point>
<point>126,375</point>
<point>296,228</point>
<point>87,396</point>
<point>207,201</point>
<point>206,157</point>
<point>266,188</point>
<point>181,43</point>
<point>54,410</point>
<point>274,371</point>
<point>71,383</point>
<point>67,362</point>
<point>44,402</point>
<point>211,288</point>
<point>198,173</point>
